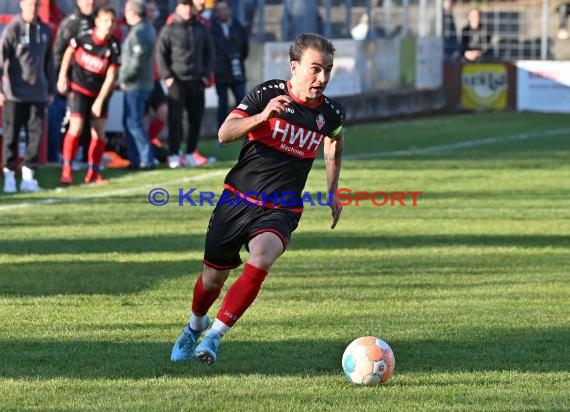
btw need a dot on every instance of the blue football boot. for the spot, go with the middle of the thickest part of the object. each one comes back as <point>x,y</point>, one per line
<point>207,350</point>
<point>183,349</point>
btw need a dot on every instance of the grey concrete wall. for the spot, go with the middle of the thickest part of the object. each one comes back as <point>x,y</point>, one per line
<point>373,106</point>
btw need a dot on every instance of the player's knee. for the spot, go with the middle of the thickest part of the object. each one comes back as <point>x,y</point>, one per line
<point>213,279</point>
<point>263,259</point>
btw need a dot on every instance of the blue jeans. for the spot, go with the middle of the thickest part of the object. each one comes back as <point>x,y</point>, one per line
<point>138,143</point>
<point>238,90</point>
<point>56,113</point>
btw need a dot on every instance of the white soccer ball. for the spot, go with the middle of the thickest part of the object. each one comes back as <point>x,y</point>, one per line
<point>368,361</point>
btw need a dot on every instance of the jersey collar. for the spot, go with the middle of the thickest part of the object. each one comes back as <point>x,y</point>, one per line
<point>97,40</point>
<point>311,105</point>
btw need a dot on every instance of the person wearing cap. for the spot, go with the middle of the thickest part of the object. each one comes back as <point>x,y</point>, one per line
<point>136,80</point>
<point>185,55</point>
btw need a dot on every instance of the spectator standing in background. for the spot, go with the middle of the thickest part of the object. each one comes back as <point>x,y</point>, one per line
<point>151,12</point>
<point>157,100</point>
<point>475,40</point>
<point>563,10</point>
<point>136,80</point>
<point>231,44</point>
<point>185,54</point>
<point>450,41</point>
<point>26,86</point>
<point>79,21</point>
<point>300,16</point>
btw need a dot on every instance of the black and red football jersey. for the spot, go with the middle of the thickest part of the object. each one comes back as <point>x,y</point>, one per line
<point>91,60</point>
<point>276,156</point>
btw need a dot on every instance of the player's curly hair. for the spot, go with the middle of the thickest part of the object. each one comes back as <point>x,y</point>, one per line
<point>306,41</point>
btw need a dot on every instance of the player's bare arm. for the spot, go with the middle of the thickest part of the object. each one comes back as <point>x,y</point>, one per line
<point>236,126</point>
<point>333,161</point>
<point>62,82</point>
<point>106,90</point>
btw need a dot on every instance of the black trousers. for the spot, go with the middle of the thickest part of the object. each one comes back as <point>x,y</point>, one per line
<point>185,98</point>
<point>15,116</point>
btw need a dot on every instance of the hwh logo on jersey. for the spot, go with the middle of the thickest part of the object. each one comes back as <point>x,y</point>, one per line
<point>296,137</point>
<point>90,62</point>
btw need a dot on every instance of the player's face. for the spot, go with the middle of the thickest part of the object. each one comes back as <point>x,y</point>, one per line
<point>184,11</point>
<point>223,12</point>
<point>30,9</point>
<point>104,23</point>
<point>86,6</point>
<point>474,18</point>
<point>130,14</point>
<point>199,5</point>
<point>311,75</point>
<point>151,12</point>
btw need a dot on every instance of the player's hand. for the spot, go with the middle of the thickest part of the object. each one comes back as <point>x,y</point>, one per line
<point>336,210</point>
<point>276,106</point>
<point>62,85</point>
<point>2,99</point>
<point>169,82</point>
<point>97,108</point>
<point>50,99</point>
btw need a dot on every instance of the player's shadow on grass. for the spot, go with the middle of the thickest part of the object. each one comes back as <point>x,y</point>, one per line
<point>518,350</point>
<point>110,244</point>
<point>86,277</point>
<point>301,240</point>
<point>318,240</point>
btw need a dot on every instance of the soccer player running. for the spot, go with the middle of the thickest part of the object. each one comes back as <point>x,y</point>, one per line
<point>94,61</point>
<point>281,125</point>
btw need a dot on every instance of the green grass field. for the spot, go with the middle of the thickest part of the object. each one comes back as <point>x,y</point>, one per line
<point>471,287</point>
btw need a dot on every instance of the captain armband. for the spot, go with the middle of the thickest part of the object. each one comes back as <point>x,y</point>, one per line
<point>336,132</point>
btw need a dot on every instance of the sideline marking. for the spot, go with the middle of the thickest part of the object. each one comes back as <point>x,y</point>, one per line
<point>375,155</point>
<point>135,189</point>
<point>459,145</point>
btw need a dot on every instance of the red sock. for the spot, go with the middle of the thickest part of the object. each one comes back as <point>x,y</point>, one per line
<point>241,294</point>
<point>96,150</point>
<point>70,144</point>
<point>154,128</point>
<point>203,299</point>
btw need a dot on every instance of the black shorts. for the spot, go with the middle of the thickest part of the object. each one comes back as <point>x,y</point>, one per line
<point>157,96</point>
<point>233,226</point>
<point>80,105</point>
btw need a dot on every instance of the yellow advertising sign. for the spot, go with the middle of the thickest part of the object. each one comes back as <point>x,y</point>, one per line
<point>484,86</point>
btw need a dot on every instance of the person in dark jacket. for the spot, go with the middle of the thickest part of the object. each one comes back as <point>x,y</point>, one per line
<point>475,40</point>
<point>231,44</point>
<point>27,84</point>
<point>185,55</point>
<point>79,21</point>
<point>450,42</point>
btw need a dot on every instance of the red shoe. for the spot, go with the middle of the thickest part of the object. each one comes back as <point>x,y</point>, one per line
<point>196,160</point>
<point>94,178</point>
<point>66,176</point>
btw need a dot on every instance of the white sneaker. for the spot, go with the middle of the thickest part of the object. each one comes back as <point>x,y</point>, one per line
<point>174,161</point>
<point>9,181</point>
<point>30,186</point>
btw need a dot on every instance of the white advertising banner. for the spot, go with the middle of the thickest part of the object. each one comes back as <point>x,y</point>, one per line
<point>543,86</point>
<point>429,70</point>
